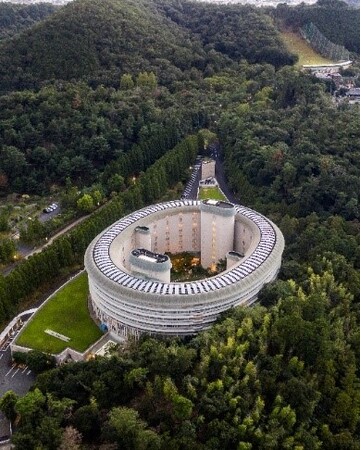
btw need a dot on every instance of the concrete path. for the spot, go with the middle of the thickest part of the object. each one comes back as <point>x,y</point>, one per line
<point>27,252</point>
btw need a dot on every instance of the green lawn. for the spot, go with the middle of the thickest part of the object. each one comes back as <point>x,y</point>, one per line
<point>210,192</point>
<point>66,313</point>
<point>297,45</point>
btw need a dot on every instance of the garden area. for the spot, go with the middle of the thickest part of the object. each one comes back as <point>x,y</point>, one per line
<point>67,315</point>
<point>212,192</point>
<point>186,266</point>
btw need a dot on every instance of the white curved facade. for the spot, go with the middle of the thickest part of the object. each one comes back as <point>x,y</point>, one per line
<point>129,296</point>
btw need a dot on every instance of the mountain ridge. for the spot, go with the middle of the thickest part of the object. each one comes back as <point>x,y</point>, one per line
<point>96,41</point>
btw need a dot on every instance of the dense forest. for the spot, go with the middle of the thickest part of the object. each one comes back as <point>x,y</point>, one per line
<point>339,22</point>
<point>240,32</point>
<point>125,121</point>
<point>74,132</point>
<point>97,41</point>
<point>15,18</point>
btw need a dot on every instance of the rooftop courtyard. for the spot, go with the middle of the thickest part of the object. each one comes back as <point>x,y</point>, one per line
<point>210,192</point>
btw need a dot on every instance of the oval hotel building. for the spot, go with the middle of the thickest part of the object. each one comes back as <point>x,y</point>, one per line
<point>129,270</point>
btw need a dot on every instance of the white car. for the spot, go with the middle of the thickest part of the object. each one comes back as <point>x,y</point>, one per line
<point>50,208</point>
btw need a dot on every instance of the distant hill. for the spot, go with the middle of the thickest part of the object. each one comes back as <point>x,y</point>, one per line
<point>91,39</point>
<point>99,40</point>
<point>337,21</point>
<point>16,18</point>
<point>239,31</point>
<point>87,37</point>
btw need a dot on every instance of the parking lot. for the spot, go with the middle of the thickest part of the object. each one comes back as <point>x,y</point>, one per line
<point>45,216</point>
<point>14,369</point>
<point>13,376</point>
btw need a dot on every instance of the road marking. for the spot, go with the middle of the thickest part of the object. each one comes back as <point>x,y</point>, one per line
<point>1,355</point>
<point>10,370</point>
<point>29,372</point>
<point>16,371</point>
<point>24,369</point>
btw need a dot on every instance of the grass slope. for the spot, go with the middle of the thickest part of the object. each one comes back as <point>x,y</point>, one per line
<point>306,55</point>
<point>66,313</point>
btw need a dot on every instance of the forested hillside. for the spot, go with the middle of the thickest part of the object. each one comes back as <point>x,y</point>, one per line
<point>74,132</point>
<point>90,39</point>
<point>339,22</point>
<point>98,41</point>
<point>240,32</point>
<point>293,150</point>
<point>277,376</point>
<point>282,375</point>
<point>15,18</point>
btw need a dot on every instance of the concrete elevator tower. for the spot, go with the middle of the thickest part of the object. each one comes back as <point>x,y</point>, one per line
<point>143,238</point>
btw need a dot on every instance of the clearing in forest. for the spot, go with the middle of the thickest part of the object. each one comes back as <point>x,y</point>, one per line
<point>306,55</point>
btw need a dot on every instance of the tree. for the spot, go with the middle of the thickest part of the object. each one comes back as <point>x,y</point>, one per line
<point>116,183</point>
<point>33,231</point>
<point>71,439</point>
<point>30,407</point>
<point>7,250</point>
<point>40,362</point>
<point>49,433</point>
<point>7,405</point>
<point>85,203</point>
<point>130,432</point>
<point>86,419</point>
<point>126,82</point>
<point>97,197</point>
<point>13,162</point>
<point>146,80</point>
<point>24,440</point>
<point>4,222</point>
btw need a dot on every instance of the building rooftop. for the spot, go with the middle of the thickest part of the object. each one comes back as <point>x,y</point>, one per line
<point>337,64</point>
<point>219,203</point>
<point>147,255</point>
<point>239,255</point>
<point>114,273</point>
<point>104,350</point>
<point>142,228</point>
